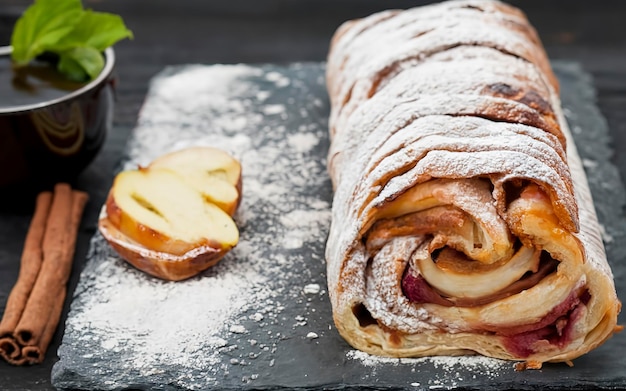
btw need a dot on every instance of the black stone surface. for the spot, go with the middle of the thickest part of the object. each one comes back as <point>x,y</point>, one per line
<point>592,33</point>
<point>293,360</point>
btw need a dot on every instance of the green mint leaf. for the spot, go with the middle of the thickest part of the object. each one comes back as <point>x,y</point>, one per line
<point>76,35</point>
<point>98,30</point>
<point>81,63</point>
<point>42,26</point>
<point>72,70</point>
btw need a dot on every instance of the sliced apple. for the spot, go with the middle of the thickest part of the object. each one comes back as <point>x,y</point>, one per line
<point>173,219</point>
<point>211,171</point>
<point>156,263</point>
<point>461,278</point>
<point>159,210</point>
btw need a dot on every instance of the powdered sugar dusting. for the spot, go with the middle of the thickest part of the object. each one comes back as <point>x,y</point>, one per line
<point>200,328</point>
<point>148,321</point>
<point>302,142</point>
<point>488,364</point>
<point>255,348</point>
<point>445,372</point>
<point>405,38</point>
<point>453,91</point>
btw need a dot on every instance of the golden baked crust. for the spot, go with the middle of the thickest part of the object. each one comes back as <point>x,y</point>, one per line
<point>448,141</point>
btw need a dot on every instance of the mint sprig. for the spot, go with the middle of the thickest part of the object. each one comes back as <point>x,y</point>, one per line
<point>78,36</point>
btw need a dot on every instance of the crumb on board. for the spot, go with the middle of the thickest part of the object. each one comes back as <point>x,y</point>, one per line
<point>531,364</point>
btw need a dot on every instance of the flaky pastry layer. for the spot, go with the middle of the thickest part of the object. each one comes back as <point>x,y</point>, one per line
<point>462,219</point>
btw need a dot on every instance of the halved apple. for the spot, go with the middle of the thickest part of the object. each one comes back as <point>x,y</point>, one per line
<point>163,226</point>
<point>173,219</point>
<point>211,171</point>
<point>156,208</point>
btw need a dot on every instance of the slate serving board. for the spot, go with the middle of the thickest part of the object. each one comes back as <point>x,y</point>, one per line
<point>261,319</point>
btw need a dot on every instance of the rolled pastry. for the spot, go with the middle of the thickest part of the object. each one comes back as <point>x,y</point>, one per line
<point>462,220</point>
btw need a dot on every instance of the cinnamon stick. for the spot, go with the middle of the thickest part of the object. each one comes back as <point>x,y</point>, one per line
<point>44,292</point>
<point>30,321</point>
<point>36,354</point>
<point>9,349</point>
<point>30,264</point>
<point>35,351</point>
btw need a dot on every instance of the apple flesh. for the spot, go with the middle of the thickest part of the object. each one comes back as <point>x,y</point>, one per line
<point>157,209</point>
<point>211,171</point>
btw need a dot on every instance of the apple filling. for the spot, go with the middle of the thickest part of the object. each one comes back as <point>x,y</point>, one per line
<point>456,281</point>
<point>443,245</point>
<point>554,329</point>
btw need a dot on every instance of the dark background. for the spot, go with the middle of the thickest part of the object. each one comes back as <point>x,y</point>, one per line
<point>171,32</point>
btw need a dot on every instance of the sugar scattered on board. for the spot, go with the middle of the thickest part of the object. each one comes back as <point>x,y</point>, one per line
<point>203,326</point>
<point>311,289</point>
<point>274,109</point>
<point>237,329</point>
<point>444,372</point>
<point>449,371</point>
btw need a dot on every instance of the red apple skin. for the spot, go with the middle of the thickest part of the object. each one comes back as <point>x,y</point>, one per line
<point>156,263</point>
